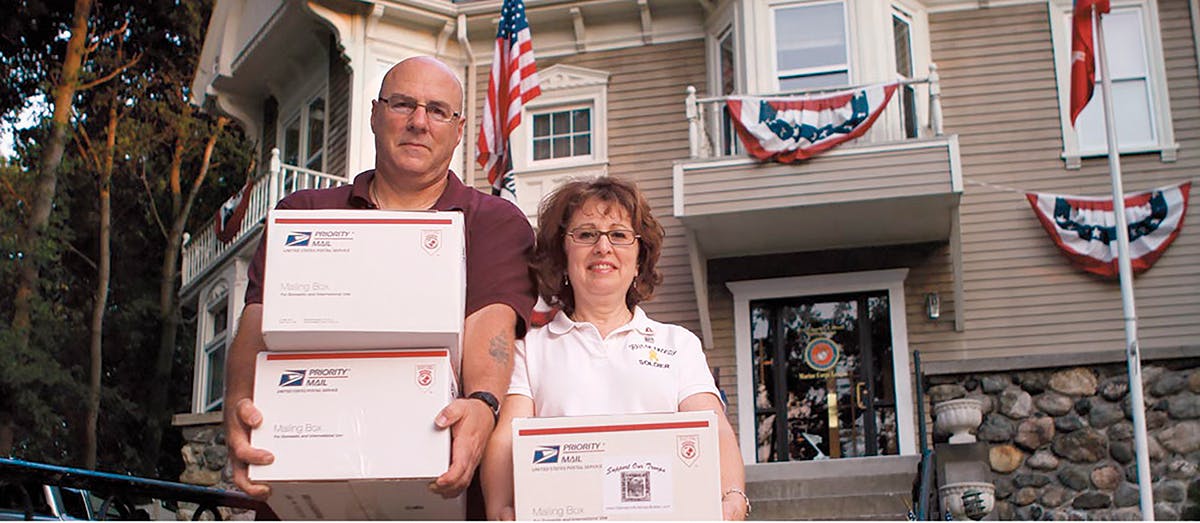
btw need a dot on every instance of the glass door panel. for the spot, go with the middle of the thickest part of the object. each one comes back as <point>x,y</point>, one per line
<point>823,377</point>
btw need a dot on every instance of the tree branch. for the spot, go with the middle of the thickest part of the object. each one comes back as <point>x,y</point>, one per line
<point>81,255</point>
<point>153,206</point>
<point>112,74</point>
<point>12,190</point>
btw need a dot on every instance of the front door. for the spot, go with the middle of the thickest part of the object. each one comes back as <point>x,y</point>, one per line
<point>823,377</point>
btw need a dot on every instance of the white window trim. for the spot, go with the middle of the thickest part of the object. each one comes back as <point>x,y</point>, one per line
<point>1060,34</point>
<point>218,294</point>
<point>891,280</point>
<point>851,38</point>
<point>563,87</point>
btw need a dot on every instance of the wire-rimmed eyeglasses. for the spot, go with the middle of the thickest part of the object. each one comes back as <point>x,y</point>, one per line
<point>405,106</point>
<point>588,236</point>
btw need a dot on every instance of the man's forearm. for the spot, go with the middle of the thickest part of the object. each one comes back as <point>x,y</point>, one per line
<point>242,357</point>
<point>488,336</point>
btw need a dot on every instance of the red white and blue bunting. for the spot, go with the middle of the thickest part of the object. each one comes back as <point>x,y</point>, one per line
<point>228,221</point>
<point>1085,228</point>
<point>787,129</point>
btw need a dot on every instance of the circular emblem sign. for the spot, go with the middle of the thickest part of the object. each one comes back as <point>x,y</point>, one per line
<point>822,354</point>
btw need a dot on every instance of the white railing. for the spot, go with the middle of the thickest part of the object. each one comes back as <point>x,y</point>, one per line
<point>711,134</point>
<point>203,250</point>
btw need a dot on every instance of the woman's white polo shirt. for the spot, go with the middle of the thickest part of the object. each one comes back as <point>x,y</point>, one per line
<point>641,367</point>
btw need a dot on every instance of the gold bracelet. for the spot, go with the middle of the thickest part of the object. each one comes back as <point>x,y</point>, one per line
<point>740,492</point>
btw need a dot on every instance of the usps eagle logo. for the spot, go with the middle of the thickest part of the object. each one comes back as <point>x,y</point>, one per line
<point>431,241</point>
<point>292,378</point>
<point>689,449</point>
<point>424,376</point>
<point>297,239</point>
<point>545,454</point>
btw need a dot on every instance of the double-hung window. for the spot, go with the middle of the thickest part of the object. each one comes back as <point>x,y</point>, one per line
<point>811,46</point>
<point>211,363</point>
<point>1136,69</point>
<point>563,134</point>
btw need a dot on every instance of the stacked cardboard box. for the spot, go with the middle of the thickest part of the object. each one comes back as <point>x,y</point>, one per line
<point>634,467</point>
<point>362,316</point>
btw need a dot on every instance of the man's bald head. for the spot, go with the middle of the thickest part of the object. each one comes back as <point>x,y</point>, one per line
<point>421,65</point>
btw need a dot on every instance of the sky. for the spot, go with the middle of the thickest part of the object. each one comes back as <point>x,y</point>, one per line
<point>28,118</point>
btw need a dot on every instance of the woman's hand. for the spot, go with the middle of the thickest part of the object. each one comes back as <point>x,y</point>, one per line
<point>735,506</point>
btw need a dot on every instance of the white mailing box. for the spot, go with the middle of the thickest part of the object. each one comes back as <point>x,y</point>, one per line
<point>353,433</point>
<point>631,467</point>
<point>363,279</point>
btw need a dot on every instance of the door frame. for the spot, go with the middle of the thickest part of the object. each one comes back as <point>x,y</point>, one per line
<point>890,280</point>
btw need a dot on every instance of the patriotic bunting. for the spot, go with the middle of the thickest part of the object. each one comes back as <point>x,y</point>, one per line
<point>1085,228</point>
<point>794,128</point>
<point>229,217</point>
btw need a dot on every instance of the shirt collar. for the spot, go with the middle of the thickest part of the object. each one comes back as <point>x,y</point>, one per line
<point>454,197</point>
<point>562,324</point>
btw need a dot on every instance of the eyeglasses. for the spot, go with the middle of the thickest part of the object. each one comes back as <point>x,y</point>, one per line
<point>405,106</point>
<point>615,236</point>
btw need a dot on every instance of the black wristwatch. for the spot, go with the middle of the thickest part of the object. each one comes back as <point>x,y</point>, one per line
<point>488,399</point>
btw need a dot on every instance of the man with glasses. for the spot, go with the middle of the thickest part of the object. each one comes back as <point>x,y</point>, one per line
<point>417,122</point>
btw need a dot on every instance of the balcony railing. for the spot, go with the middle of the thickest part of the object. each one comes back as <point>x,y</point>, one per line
<point>711,133</point>
<point>203,251</point>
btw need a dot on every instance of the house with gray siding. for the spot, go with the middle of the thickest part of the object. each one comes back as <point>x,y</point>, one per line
<point>812,284</point>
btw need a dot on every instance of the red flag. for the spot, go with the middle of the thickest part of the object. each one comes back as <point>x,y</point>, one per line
<point>1083,54</point>
<point>513,82</point>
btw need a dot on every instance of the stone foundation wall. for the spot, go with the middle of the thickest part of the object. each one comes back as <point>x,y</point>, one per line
<point>204,460</point>
<point>1061,440</point>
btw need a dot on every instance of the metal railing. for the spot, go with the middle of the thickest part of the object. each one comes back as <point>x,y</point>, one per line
<point>204,250</point>
<point>926,502</point>
<point>120,492</point>
<point>711,132</point>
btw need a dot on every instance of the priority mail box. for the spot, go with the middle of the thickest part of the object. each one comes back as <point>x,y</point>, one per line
<point>353,433</point>
<point>634,467</point>
<point>363,279</point>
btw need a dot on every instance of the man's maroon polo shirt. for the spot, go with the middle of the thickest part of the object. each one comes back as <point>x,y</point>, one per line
<point>498,236</point>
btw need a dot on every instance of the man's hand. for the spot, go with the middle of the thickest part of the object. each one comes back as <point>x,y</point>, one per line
<point>471,423</point>
<point>237,437</point>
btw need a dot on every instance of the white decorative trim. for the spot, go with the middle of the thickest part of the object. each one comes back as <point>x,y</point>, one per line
<point>891,280</point>
<point>563,76</point>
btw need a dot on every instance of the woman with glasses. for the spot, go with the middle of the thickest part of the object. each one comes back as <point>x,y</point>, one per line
<point>597,247</point>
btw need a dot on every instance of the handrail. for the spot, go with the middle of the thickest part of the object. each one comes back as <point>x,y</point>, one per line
<point>926,489</point>
<point>118,488</point>
<point>203,250</point>
<point>710,133</point>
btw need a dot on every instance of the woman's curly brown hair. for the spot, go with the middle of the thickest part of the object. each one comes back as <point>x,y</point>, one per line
<point>550,257</point>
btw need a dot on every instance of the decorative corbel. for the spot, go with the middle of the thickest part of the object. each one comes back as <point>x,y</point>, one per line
<point>580,31</point>
<point>374,18</point>
<point>706,5</point>
<point>647,29</point>
<point>447,30</point>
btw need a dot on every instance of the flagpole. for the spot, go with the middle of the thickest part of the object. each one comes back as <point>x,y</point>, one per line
<point>1132,353</point>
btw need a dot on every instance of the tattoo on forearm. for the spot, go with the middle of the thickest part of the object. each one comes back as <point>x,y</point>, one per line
<point>499,349</point>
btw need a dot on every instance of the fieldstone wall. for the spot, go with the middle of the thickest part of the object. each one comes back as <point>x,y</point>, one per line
<point>204,459</point>
<point>1061,440</point>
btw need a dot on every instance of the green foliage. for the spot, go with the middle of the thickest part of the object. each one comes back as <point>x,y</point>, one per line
<point>43,388</point>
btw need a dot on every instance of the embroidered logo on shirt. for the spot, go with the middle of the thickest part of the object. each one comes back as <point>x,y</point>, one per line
<point>654,356</point>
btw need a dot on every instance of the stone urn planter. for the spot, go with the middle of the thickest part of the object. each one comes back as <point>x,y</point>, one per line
<point>958,417</point>
<point>968,500</point>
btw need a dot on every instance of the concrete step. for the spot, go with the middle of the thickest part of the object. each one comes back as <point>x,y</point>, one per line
<point>889,507</point>
<point>846,489</point>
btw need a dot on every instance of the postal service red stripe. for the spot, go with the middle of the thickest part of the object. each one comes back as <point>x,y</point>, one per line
<point>614,428</point>
<point>357,355</point>
<point>352,221</point>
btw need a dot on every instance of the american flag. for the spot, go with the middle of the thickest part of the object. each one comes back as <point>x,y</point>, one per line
<point>513,82</point>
